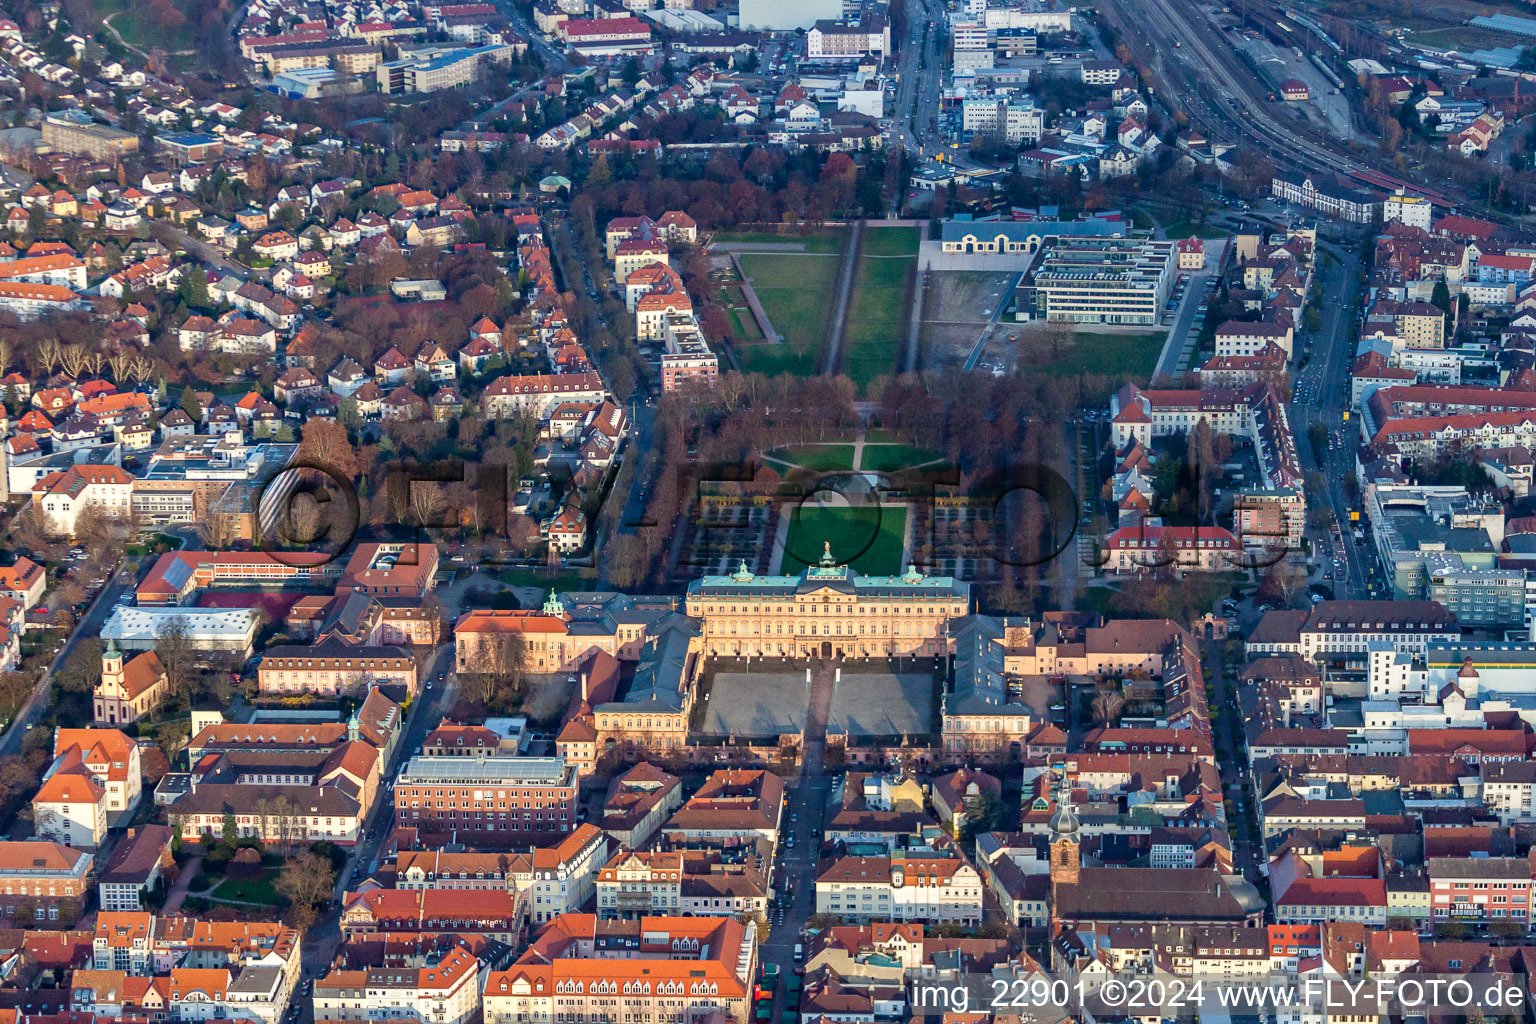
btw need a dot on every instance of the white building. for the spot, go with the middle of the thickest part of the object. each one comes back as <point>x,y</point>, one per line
<point>447,992</point>
<point>929,889</point>
<point>1407,209</point>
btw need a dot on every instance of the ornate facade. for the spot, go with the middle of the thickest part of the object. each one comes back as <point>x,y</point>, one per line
<point>827,611</point>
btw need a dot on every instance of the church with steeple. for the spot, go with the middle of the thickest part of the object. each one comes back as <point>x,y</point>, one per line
<point>1093,895</point>
<point>129,689</point>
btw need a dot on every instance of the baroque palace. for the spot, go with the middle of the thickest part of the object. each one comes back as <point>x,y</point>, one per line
<point>828,611</point>
<point>638,660</point>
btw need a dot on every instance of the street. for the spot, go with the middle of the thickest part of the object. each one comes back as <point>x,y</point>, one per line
<point>426,711</point>
<point>807,796</point>
<point>1321,395</point>
<point>96,615</point>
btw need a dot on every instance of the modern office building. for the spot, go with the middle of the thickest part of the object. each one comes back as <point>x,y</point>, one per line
<point>1097,281</point>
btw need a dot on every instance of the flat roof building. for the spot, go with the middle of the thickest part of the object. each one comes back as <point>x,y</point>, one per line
<point>1097,281</point>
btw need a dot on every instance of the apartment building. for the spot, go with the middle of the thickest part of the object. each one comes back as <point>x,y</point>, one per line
<point>654,968</point>
<point>62,269</point>
<point>1480,890</point>
<point>445,992</point>
<point>928,889</point>
<point>93,783</point>
<point>494,914</point>
<point>487,799</point>
<point>1507,789</point>
<point>686,357</point>
<point>1245,338</point>
<point>46,878</point>
<point>634,884</point>
<point>61,498</point>
<point>537,394</point>
<point>704,882</point>
<point>564,875</point>
<point>31,301</point>
<point>1097,281</point>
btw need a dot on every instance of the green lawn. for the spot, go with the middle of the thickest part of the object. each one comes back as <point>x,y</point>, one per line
<point>260,889</point>
<point>1133,356</point>
<point>1184,229</point>
<point>797,291</point>
<point>744,325</point>
<point>1459,37</point>
<point>561,581</point>
<point>890,241</point>
<point>771,360</point>
<point>825,240</point>
<point>876,330</point>
<point>823,458</point>
<point>870,538</point>
<point>891,458</point>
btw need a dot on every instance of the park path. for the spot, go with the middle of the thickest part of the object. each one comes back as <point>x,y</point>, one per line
<point>182,885</point>
<point>750,294</point>
<point>915,326</point>
<point>844,297</point>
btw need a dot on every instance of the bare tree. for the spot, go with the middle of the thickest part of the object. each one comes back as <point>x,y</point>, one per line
<point>501,659</point>
<point>177,657</point>
<point>1107,705</point>
<point>306,883</point>
<point>218,532</point>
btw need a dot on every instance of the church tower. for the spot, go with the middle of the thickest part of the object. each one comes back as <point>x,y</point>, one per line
<point>1066,855</point>
<point>111,668</point>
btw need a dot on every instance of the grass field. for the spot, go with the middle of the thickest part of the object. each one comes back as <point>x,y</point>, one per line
<point>1184,229</point>
<point>891,458</point>
<point>1462,37</point>
<point>260,889</point>
<point>771,360</point>
<point>823,458</point>
<point>870,538</point>
<point>1133,356</point>
<point>876,329</point>
<point>797,291</point>
<point>890,241</point>
<point>824,240</point>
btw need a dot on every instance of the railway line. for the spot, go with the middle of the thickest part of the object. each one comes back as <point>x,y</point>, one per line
<point>1182,44</point>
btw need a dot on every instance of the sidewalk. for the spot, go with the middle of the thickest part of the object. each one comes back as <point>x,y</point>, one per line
<point>182,885</point>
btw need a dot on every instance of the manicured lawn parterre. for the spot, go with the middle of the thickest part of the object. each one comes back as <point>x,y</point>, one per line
<point>823,458</point>
<point>869,538</point>
<point>892,458</point>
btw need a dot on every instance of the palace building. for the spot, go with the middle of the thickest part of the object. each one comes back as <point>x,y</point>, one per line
<point>827,611</point>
